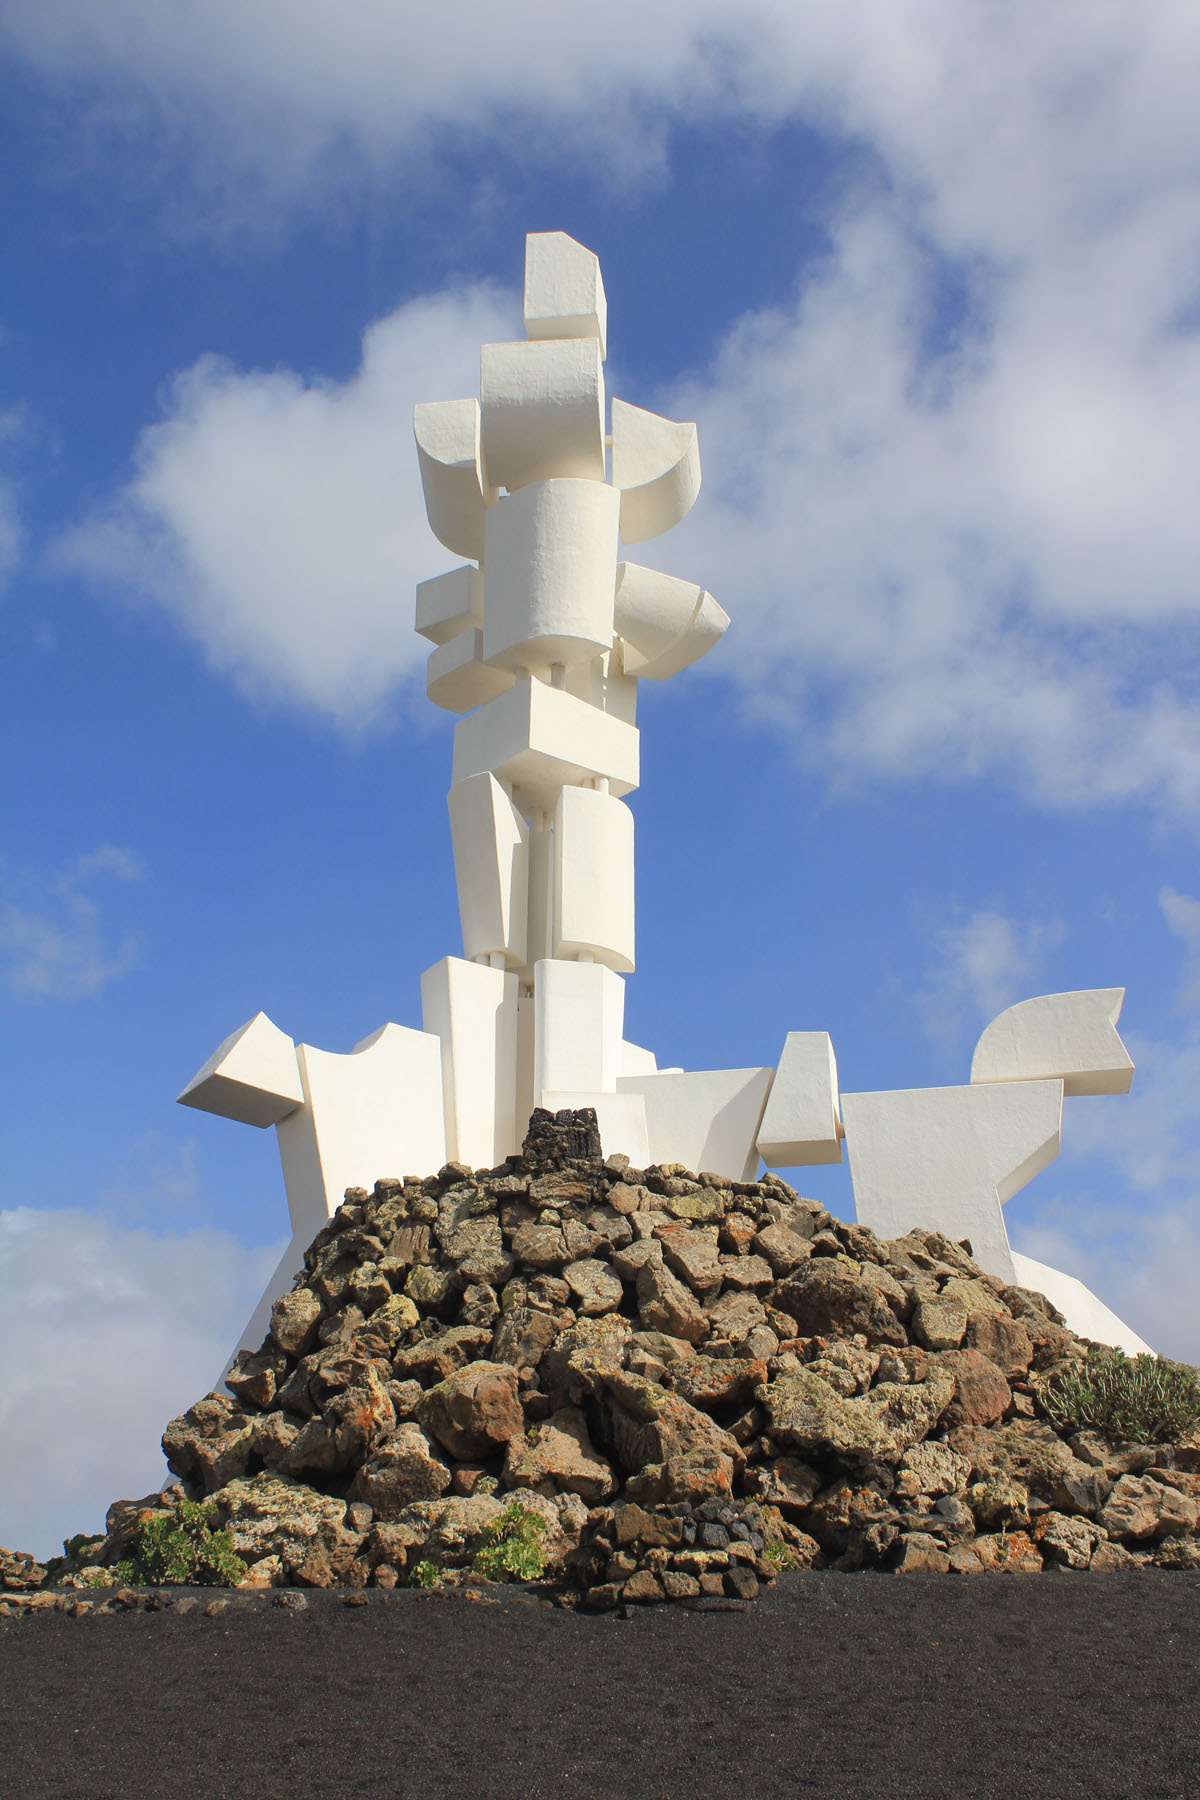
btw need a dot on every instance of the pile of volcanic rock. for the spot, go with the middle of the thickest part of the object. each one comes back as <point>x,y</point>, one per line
<point>693,1382</point>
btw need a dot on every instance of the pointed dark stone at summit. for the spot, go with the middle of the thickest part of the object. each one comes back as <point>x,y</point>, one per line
<point>555,1139</point>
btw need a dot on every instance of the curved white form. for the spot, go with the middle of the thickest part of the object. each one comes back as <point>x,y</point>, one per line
<point>543,411</point>
<point>374,1113</point>
<point>550,550</point>
<point>1069,1036</point>
<point>457,677</point>
<point>1086,1315</point>
<point>666,624</point>
<point>593,878</point>
<point>456,494</point>
<point>253,1076</point>
<point>656,465</point>
<point>564,292</point>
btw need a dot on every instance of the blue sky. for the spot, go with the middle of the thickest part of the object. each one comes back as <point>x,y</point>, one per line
<point>926,276</point>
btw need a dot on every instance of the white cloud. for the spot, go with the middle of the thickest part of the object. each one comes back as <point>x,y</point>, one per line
<point>982,562</point>
<point>1142,1266</point>
<point>1183,916</point>
<point>279,520</point>
<point>105,1334</point>
<point>54,942</point>
<point>950,486</point>
<point>984,961</point>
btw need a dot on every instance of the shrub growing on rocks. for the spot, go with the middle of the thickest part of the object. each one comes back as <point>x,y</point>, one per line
<point>1145,1399</point>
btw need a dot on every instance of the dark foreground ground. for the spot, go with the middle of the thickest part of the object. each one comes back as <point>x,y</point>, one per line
<point>909,1688</point>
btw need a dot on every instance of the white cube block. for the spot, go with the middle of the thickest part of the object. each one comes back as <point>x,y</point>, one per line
<point>253,1076</point>
<point>550,551</point>
<point>456,493</point>
<point>450,604</point>
<point>472,1010</point>
<point>800,1124</point>
<point>579,1012</point>
<point>564,293</point>
<point>543,411</point>
<point>704,1119</point>
<point>457,677</point>
<point>491,867</point>
<point>945,1159</point>
<point>539,738</point>
<point>593,878</point>
<point>656,465</point>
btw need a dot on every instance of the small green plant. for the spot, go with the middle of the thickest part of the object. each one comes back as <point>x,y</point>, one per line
<point>1139,1399</point>
<point>781,1556</point>
<point>512,1549</point>
<point>183,1547</point>
<point>424,1575</point>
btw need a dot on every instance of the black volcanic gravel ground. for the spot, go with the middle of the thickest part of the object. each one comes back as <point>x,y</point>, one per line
<point>911,1688</point>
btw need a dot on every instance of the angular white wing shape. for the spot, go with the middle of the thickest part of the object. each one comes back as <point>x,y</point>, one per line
<point>667,624</point>
<point>449,604</point>
<point>1072,1037</point>
<point>564,292</point>
<point>456,494</point>
<point>253,1077</point>
<point>656,465</point>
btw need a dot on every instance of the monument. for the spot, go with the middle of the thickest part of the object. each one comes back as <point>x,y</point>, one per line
<point>541,638</point>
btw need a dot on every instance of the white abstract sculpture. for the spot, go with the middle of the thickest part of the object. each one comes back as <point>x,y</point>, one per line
<point>539,642</point>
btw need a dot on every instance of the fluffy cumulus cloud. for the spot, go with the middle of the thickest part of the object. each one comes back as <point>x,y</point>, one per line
<point>950,497</point>
<point>56,941</point>
<point>982,962</point>
<point>279,520</point>
<point>105,1334</point>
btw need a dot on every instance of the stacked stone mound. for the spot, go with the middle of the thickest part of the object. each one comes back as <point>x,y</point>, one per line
<point>691,1381</point>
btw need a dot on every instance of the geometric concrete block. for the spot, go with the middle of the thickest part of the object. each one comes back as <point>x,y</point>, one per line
<point>450,603</point>
<point>946,1159</point>
<point>253,1076</point>
<point>538,738</point>
<point>1086,1315</point>
<point>1072,1036</point>
<point>705,1119</point>
<point>621,1118</point>
<point>593,878</point>
<point>564,294</point>
<point>656,465</point>
<point>543,411</point>
<point>456,493</point>
<point>491,866</point>
<point>549,554</point>
<point>666,624</point>
<point>472,1009</point>
<point>457,677</point>
<point>800,1124</point>
<point>636,1061</point>
<point>579,1012</point>
<point>374,1113</point>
